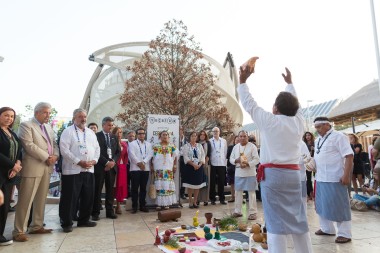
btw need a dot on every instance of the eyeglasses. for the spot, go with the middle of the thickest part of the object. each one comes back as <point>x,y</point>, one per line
<point>140,133</point>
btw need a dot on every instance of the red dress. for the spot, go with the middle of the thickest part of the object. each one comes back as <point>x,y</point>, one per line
<point>121,191</point>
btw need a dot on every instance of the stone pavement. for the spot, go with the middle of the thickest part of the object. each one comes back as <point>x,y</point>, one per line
<point>135,232</point>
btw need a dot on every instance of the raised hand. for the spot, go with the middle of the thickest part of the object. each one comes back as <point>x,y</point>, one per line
<point>288,76</point>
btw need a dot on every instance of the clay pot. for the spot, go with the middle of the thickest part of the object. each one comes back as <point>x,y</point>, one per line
<point>166,238</point>
<point>182,250</point>
<point>201,225</point>
<point>183,226</point>
<point>216,222</point>
<point>208,218</point>
<point>255,229</point>
<point>242,227</point>
<point>258,237</point>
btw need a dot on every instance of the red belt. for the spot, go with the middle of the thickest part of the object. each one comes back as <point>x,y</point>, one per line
<point>261,174</point>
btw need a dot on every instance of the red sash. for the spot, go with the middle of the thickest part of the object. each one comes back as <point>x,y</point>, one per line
<point>261,174</point>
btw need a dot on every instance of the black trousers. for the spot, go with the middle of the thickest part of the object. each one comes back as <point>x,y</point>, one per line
<point>139,180</point>
<point>108,179</point>
<point>74,187</point>
<point>217,176</point>
<point>7,191</point>
<point>182,166</point>
<point>309,183</point>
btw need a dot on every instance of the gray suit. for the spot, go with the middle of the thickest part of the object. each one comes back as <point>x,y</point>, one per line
<point>35,175</point>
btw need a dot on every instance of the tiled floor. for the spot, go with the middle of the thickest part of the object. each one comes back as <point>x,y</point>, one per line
<point>134,232</point>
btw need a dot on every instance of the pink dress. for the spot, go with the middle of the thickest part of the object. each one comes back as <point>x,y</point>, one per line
<point>121,190</point>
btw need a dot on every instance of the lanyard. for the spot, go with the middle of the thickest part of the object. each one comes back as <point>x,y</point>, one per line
<point>84,135</point>
<point>220,144</point>
<point>319,147</point>
<point>138,143</point>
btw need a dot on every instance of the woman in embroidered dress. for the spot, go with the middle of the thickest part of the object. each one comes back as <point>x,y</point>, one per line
<point>193,174</point>
<point>164,166</point>
<point>121,191</point>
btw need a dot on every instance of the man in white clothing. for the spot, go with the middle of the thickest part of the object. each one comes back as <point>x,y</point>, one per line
<point>218,162</point>
<point>281,132</point>
<point>80,152</point>
<point>244,155</point>
<point>139,152</point>
<point>334,162</point>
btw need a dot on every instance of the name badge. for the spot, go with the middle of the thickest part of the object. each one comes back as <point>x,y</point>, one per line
<point>109,153</point>
<point>82,149</point>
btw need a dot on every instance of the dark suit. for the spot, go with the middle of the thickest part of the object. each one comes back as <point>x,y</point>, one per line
<point>6,164</point>
<point>105,177</point>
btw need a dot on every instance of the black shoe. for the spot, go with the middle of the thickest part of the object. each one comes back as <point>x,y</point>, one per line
<point>111,216</point>
<point>191,206</point>
<point>223,202</point>
<point>4,241</point>
<point>144,209</point>
<point>183,196</point>
<point>95,217</point>
<point>205,203</point>
<point>196,206</point>
<point>134,211</point>
<point>67,229</point>
<point>101,207</point>
<point>197,203</point>
<point>213,203</point>
<point>87,224</point>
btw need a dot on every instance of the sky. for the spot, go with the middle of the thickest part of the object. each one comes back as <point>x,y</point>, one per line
<point>327,45</point>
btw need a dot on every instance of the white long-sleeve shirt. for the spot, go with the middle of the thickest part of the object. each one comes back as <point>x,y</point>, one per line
<point>218,152</point>
<point>71,146</point>
<point>280,135</point>
<point>304,153</point>
<point>250,151</point>
<point>140,152</point>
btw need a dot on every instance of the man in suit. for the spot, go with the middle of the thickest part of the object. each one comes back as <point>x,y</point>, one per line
<point>105,169</point>
<point>40,152</point>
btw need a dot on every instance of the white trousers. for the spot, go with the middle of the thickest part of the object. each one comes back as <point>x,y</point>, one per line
<point>251,203</point>
<point>277,243</point>
<point>344,227</point>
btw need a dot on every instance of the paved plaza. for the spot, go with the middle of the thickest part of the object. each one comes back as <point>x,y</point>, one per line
<point>135,232</point>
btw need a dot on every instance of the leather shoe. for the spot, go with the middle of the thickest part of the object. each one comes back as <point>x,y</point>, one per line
<point>111,216</point>
<point>95,217</point>
<point>144,209</point>
<point>213,203</point>
<point>20,238</point>
<point>223,202</point>
<point>41,231</point>
<point>134,211</point>
<point>87,224</point>
<point>67,229</point>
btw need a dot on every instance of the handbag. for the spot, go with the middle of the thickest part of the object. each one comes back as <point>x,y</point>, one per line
<point>152,188</point>
<point>358,205</point>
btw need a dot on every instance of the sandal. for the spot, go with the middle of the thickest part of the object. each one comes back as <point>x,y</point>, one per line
<point>320,232</point>
<point>252,216</point>
<point>236,215</point>
<point>341,239</point>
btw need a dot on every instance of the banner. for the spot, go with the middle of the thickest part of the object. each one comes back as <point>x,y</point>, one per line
<point>156,124</point>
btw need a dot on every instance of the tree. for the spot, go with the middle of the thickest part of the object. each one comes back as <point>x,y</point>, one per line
<point>172,78</point>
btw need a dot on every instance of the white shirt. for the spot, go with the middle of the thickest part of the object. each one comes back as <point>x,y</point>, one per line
<point>280,135</point>
<point>140,152</point>
<point>330,159</point>
<point>71,151</point>
<point>304,153</point>
<point>250,151</point>
<point>218,152</point>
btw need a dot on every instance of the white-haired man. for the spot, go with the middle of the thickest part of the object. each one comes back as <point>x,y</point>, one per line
<point>334,162</point>
<point>40,152</point>
<point>218,162</point>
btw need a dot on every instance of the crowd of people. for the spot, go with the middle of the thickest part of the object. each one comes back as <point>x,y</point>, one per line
<point>91,159</point>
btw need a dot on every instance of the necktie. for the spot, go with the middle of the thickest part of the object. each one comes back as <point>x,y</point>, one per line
<point>43,129</point>
<point>108,140</point>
